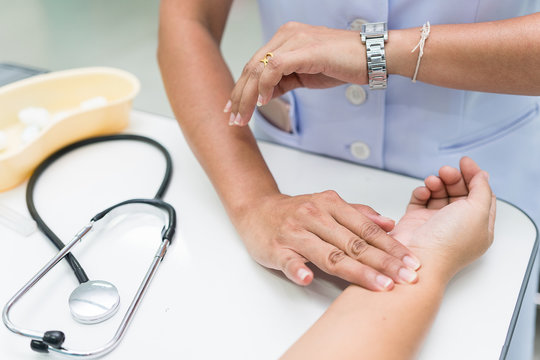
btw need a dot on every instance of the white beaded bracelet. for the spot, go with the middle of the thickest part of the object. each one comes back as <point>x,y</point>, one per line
<point>425,34</point>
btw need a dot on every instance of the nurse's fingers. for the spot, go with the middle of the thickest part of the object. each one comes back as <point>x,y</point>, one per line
<point>362,251</point>
<point>384,222</point>
<point>372,234</point>
<point>253,66</point>
<point>247,99</point>
<point>236,94</point>
<point>294,267</point>
<point>335,262</point>
<point>284,64</point>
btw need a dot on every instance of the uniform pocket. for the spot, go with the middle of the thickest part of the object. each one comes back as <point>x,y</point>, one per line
<point>280,124</point>
<point>491,134</point>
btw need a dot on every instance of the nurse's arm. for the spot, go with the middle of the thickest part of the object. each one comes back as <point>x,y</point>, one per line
<point>449,227</point>
<point>280,232</point>
<point>498,56</point>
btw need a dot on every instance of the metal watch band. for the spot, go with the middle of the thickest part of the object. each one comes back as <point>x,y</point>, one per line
<point>376,63</point>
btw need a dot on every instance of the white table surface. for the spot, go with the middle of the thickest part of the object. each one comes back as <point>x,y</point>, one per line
<point>209,299</point>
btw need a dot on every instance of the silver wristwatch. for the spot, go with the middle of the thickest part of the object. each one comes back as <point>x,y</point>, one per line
<point>374,35</point>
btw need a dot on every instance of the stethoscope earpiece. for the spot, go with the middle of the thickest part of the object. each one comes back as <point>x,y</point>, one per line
<point>53,338</point>
<point>39,346</point>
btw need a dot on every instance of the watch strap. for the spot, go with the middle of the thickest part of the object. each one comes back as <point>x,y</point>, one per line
<point>376,63</point>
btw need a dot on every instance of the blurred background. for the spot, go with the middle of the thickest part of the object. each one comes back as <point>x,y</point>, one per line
<point>63,34</point>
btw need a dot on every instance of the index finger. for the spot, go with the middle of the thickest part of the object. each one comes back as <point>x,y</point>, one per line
<point>250,68</point>
<point>372,233</point>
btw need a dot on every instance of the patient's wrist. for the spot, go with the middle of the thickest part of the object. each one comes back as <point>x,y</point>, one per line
<point>435,266</point>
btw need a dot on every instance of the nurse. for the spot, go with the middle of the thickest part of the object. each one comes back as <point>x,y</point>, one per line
<point>478,57</point>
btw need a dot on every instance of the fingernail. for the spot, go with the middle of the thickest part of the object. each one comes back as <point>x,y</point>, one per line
<point>302,274</point>
<point>411,262</point>
<point>384,281</point>
<point>259,100</point>
<point>384,218</point>
<point>238,120</point>
<point>227,106</point>
<point>408,275</point>
<point>231,119</point>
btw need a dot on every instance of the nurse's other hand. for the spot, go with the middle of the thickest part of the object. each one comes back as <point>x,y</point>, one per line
<point>449,221</point>
<point>303,56</point>
<point>346,240</point>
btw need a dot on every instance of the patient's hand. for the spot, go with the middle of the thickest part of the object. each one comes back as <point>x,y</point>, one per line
<point>449,221</point>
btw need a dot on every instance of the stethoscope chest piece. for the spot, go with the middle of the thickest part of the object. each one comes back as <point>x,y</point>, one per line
<point>94,301</point>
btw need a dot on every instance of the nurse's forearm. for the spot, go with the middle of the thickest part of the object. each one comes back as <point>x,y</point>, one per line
<point>273,226</point>
<point>198,83</point>
<point>499,56</point>
<point>367,325</point>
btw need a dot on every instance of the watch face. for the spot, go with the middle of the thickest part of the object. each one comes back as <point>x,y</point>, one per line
<point>375,28</point>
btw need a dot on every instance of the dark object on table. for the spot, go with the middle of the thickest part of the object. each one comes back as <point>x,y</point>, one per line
<point>11,72</point>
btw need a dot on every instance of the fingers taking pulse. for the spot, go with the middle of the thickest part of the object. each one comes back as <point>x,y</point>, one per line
<point>346,240</point>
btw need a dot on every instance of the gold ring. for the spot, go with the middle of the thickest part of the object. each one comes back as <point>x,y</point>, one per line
<point>266,58</point>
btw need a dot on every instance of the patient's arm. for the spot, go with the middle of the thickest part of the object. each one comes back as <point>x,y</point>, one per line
<point>448,224</point>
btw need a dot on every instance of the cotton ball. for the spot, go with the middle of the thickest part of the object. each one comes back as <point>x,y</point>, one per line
<point>3,140</point>
<point>30,133</point>
<point>35,116</point>
<point>93,103</point>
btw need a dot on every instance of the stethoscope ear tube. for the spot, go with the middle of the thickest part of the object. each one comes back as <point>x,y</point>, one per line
<point>168,231</point>
<point>77,268</point>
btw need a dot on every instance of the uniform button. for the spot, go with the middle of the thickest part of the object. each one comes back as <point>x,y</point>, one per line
<point>356,24</point>
<point>360,150</point>
<point>356,94</point>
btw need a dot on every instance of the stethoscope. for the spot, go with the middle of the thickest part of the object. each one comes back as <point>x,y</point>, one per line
<point>93,301</point>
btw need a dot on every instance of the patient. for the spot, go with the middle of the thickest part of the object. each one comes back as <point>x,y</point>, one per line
<point>448,224</point>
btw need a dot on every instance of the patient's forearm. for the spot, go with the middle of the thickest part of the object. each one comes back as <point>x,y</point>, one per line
<point>362,324</point>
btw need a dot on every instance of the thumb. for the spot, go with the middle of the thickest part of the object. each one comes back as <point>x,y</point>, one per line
<point>384,222</point>
<point>480,191</point>
<point>294,267</point>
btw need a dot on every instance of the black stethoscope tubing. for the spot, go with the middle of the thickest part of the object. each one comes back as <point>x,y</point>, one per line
<point>70,258</point>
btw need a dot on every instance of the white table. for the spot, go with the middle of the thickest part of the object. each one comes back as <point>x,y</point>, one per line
<point>209,300</point>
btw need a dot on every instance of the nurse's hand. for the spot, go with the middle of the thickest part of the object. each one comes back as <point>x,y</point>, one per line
<point>303,55</point>
<point>346,240</point>
<point>449,221</point>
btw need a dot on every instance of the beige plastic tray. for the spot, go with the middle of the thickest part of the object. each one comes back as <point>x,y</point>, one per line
<point>61,91</point>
